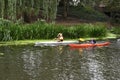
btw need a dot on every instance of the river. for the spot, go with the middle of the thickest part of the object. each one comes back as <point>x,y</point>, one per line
<point>29,62</point>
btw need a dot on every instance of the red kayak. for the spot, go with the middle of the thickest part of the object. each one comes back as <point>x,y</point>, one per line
<point>86,45</point>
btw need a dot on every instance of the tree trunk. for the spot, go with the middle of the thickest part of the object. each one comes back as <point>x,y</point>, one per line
<point>50,10</point>
<point>6,10</point>
<point>2,6</point>
<point>65,13</point>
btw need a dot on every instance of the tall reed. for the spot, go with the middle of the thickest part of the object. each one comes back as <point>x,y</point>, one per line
<point>116,30</point>
<point>49,31</point>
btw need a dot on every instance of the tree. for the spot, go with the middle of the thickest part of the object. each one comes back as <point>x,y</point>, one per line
<point>25,9</point>
<point>66,5</point>
<point>113,8</point>
<point>50,10</point>
<point>2,6</point>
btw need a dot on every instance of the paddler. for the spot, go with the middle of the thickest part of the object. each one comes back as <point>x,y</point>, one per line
<point>60,37</point>
<point>93,41</point>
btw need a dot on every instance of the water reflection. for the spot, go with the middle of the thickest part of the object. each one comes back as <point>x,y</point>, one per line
<point>60,63</point>
<point>31,61</point>
<point>59,49</point>
<point>91,66</point>
<point>94,66</point>
<point>80,51</point>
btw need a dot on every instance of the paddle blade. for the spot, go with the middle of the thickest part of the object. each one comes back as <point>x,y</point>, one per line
<point>81,39</point>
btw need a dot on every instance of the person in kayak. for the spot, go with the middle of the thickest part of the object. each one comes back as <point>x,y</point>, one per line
<point>93,41</point>
<point>60,37</point>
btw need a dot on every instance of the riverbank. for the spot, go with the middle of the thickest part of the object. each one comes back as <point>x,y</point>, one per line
<point>32,42</point>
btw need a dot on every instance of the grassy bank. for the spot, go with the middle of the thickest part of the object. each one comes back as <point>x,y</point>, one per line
<point>23,34</point>
<point>32,42</point>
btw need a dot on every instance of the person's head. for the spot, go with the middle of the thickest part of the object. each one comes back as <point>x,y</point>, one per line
<point>60,34</point>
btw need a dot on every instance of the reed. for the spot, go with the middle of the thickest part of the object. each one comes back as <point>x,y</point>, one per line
<point>116,30</point>
<point>97,31</point>
<point>49,31</point>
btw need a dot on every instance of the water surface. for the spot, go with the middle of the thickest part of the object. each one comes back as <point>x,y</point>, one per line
<point>60,63</point>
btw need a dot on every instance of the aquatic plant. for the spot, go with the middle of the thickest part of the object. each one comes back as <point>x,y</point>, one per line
<point>49,31</point>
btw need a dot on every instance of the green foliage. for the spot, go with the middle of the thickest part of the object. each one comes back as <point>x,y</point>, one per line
<point>27,9</point>
<point>4,22</point>
<point>114,9</point>
<point>50,9</point>
<point>97,30</point>
<point>114,5</point>
<point>49,31</point>
<point>116,30</point>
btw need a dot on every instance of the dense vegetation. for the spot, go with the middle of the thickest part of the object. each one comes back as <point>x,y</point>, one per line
<point>33,10</point>
<point>87,13</point>
<point>40,30</point>
<point>33,19</point>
